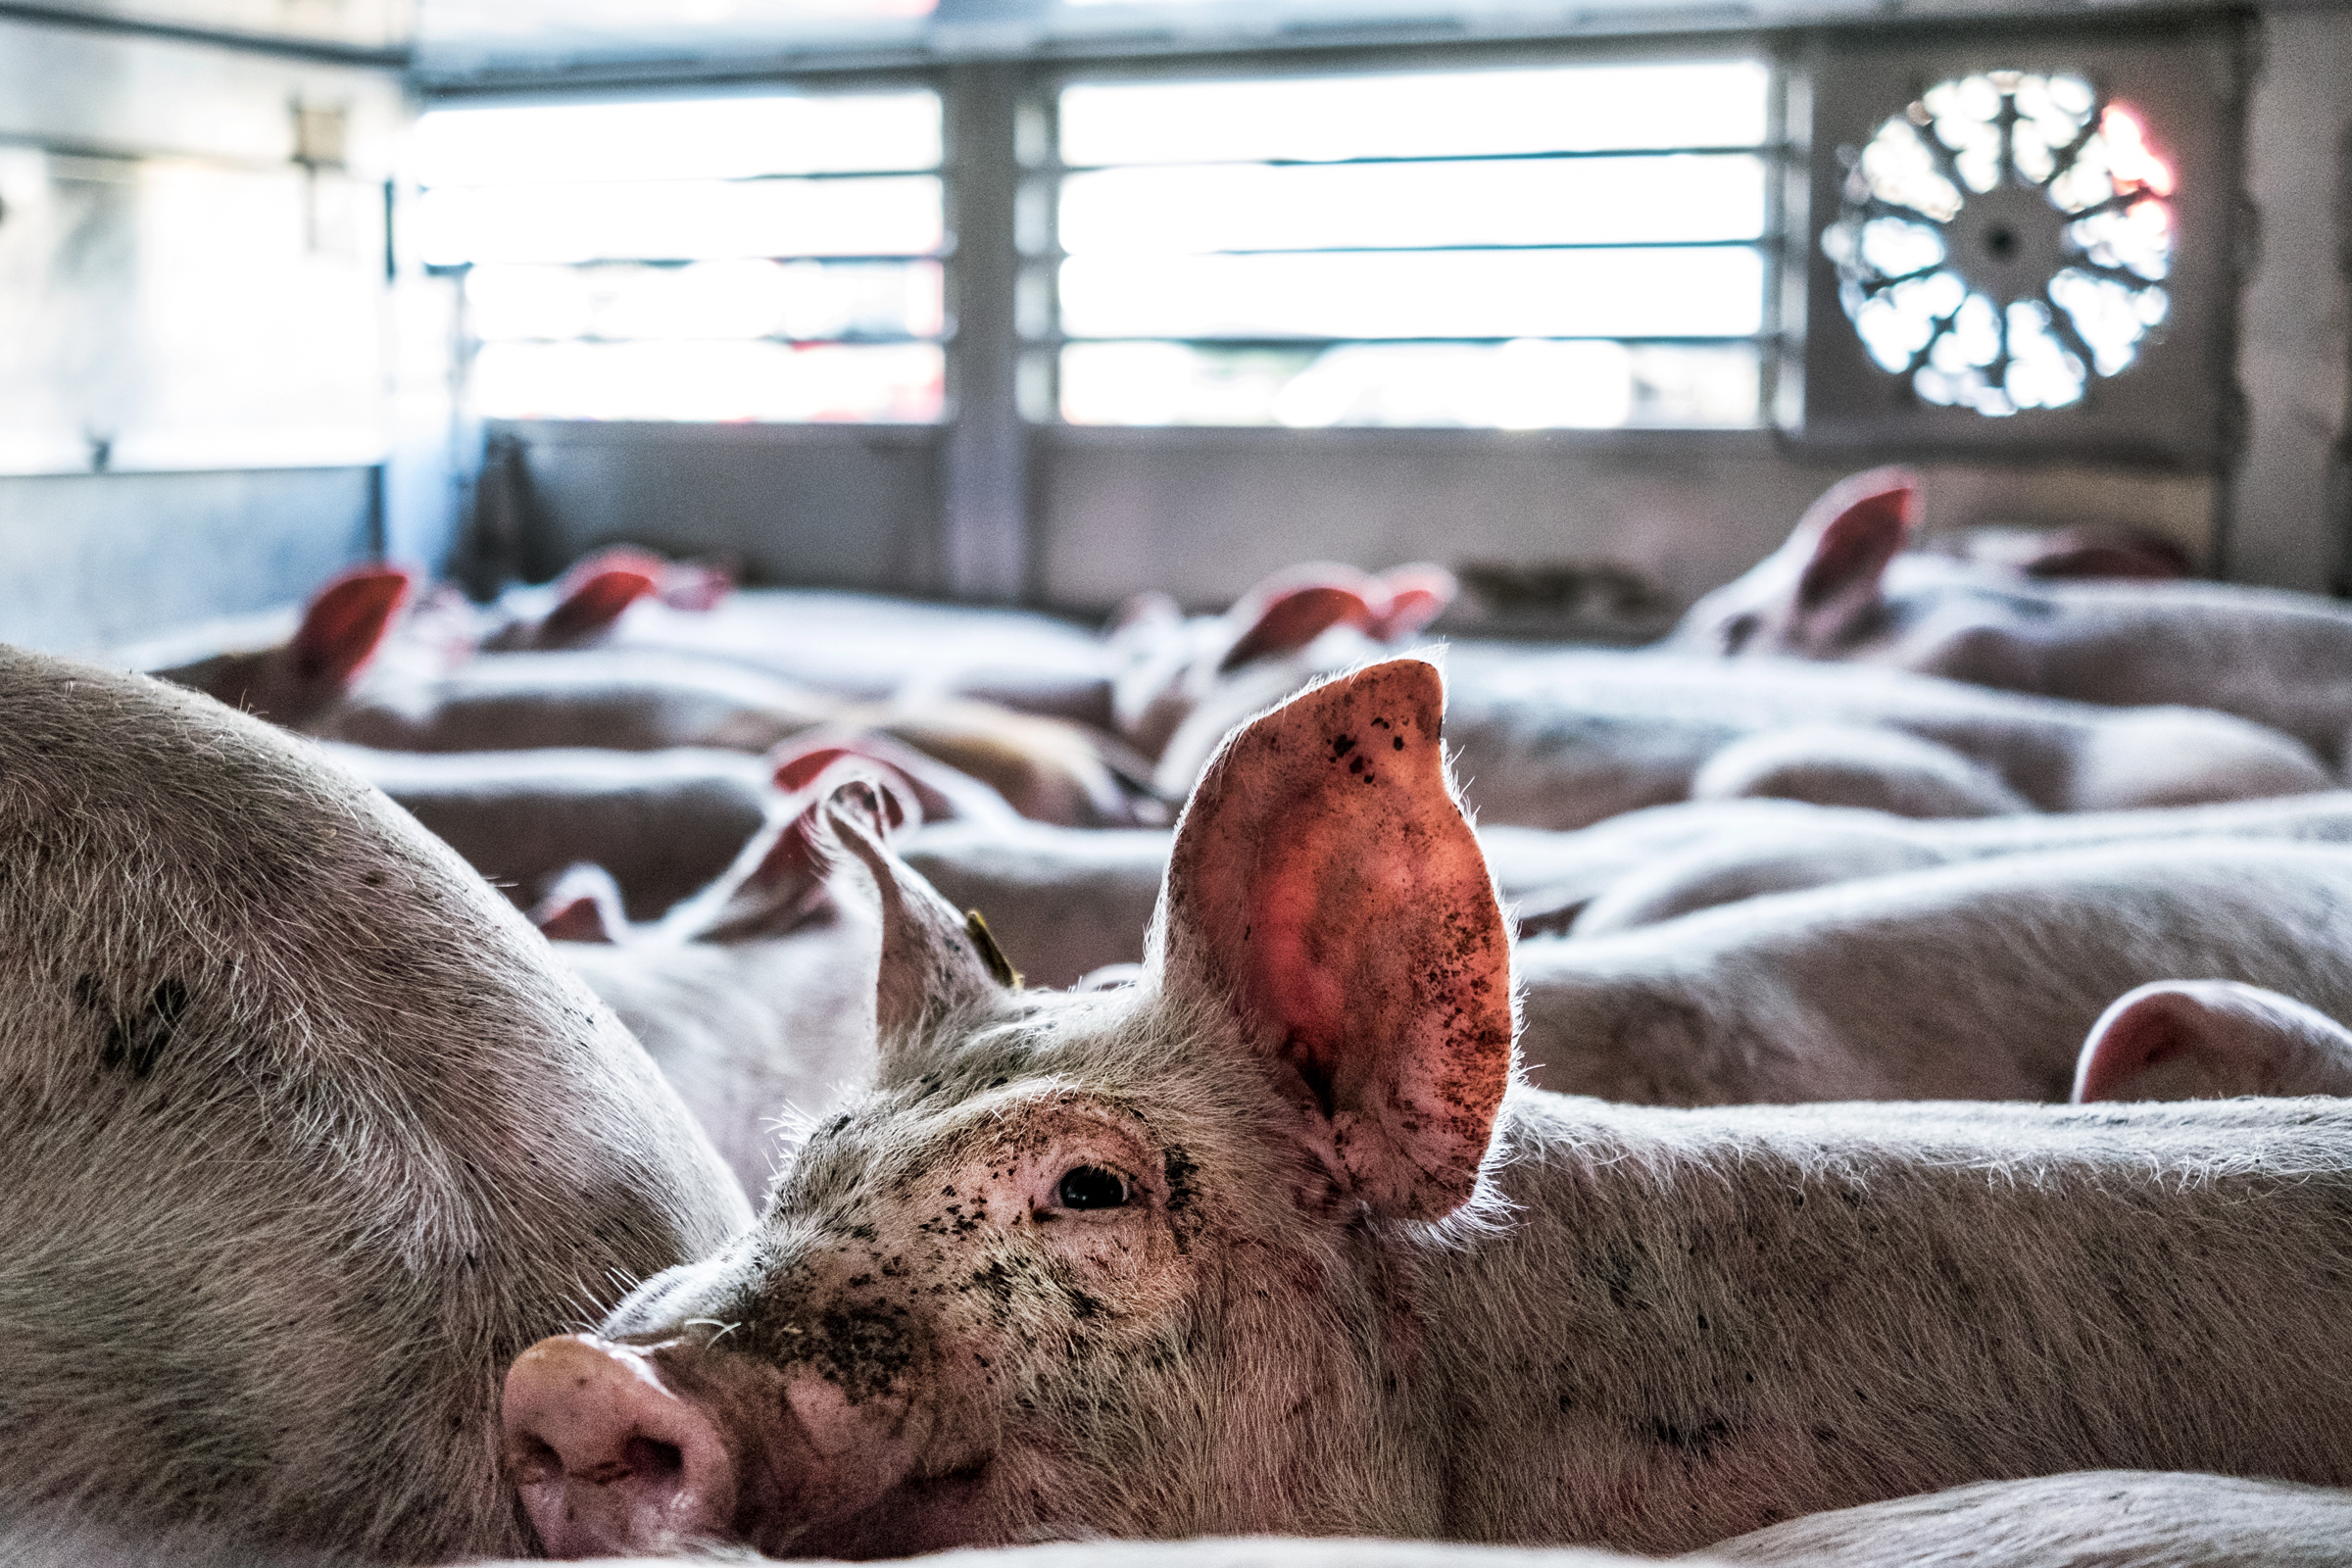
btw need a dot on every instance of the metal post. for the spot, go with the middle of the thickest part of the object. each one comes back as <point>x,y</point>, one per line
<point>985,486</point>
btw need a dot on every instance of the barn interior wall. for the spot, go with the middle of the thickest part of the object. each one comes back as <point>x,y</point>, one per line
<point>205,404</point>
<point>2288,517</point>
<point>1198,513</point>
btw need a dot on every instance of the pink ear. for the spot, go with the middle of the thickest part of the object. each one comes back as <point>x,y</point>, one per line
<point>2220,1037</point>
<point>1418,594</point>
<point>778,880</point>
<point>798,773</point>
<point>1325,878</point>
<point>582,906</point>
<point>2144,1028</point>
<point>933,959</point>
<point>1292,608</point>
<point>346,621</point>
<point>1849,535</point>
<point>589,608</point>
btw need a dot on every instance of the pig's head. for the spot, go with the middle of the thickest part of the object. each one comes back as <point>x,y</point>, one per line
<point>1170,668</point>
<point>1132,1262</point>
<point>341,629</point>
<point>778,880</point>
<point>588,602</point>
<point>1821,591</point>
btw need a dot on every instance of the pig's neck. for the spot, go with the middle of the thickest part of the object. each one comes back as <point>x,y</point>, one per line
<point>1688,1325</point>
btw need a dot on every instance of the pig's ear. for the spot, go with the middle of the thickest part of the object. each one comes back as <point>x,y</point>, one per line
<point>1285,613</point>
<point>583,905</point>
<point>1845,544</point>
<point>1325,880</point>
<point>345,623</point>
<point>934,960</point>
<point>2238,1039</point>
<point>1418,594</point>
<point>591,604</point>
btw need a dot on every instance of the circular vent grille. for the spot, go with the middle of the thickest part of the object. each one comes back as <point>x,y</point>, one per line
<point>2003,241</point>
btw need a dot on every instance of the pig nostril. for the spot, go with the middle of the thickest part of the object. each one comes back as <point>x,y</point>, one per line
<point>653,1459</point>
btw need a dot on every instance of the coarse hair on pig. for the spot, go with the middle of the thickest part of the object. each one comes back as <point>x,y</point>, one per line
<point>306,1137</point>
<point>1179,1258</point>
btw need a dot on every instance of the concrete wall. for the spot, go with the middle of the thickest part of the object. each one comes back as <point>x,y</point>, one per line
<point>98,560</point>
<point>2287,522</point>
<point>1204,514</point>
<point>826,506</point>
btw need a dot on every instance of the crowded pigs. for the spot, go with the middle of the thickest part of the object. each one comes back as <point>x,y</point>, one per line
<point>1271,1240</point>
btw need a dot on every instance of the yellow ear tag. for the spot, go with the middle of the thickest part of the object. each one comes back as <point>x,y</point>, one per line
<point>975,926</point>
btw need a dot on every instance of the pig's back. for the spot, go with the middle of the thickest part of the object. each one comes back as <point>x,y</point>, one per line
<point>306,1138</point>
<point>1974,981</point>
<point>2041,1289</point>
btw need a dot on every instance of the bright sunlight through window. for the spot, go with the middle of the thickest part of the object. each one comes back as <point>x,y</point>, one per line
<point>772,257</point>
<point>1584,246</point>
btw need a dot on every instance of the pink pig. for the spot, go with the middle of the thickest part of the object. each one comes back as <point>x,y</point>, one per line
<point>1272,1240</point>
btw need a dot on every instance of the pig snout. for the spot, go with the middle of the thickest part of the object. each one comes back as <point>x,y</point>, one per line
<point>606,1458</point>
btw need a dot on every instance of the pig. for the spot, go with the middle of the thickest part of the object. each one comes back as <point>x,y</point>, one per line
<point>623,702</point>
<point>1272,1240</point>
<point>306,1136</point>
<point>1565,739</point>
<point>2211,1038</point>
<point>1842,588</point>
<point>579,609</point>
<point>2092,1519</point>
<point>634,700</point>
<point>258,664</point>
<point>1166,665</point>
<point>866,648</point>
<point>2086,1519</point>
<point>664,824</point>
<point>294,672</point>
<point>1972,981</point>
<point>1068,904</point>
<point>756,997</point>
<point>1716,864</point>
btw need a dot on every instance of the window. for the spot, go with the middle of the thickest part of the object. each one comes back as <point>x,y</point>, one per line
<point>1577,246</point>
<point>763,258</point>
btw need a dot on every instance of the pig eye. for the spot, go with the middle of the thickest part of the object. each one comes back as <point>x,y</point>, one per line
<point>1091,1187</point>
<point>1738,630</point>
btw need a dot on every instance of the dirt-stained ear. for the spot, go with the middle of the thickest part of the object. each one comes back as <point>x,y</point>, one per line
<point>1845,542</point>
<point>2204,1039</point>
<point>345,623</point>
<point>934,960</point>
<point>1325,880</point>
